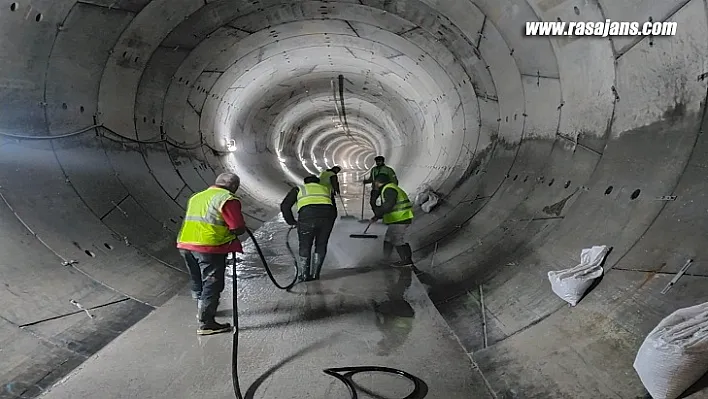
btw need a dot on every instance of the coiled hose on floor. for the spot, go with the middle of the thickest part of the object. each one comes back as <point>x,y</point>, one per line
<point>349,372</point>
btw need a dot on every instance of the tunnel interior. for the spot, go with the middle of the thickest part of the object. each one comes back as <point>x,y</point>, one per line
<point>114,112</point>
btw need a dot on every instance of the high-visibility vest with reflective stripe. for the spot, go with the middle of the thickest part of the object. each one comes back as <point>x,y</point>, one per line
<point>403,210</point>
<point>324,178</point>
<point>203,224</point>
<point>313,194</point>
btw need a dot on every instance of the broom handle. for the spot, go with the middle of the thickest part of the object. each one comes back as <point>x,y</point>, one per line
<point>343,206</point>
<point>367,227</point>
<point>363,194</point>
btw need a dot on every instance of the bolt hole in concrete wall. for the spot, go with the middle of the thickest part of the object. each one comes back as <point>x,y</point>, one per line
<point>525,179</point>
<point>107,245</point>
<point>608,191</point>
<point>13,7</point>
<point>635,194</point>
<point>38,17</point>
<point>89,253</point>
<point>515,177</point>
<point>577,10</point>
<point>64,106</point>
<point>551,182</point>
<point>567,184</point>
<point>82,109</point>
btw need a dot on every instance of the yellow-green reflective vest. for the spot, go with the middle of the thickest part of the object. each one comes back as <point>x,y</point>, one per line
<point>313,194</point>
<point>203,224</point>
<point>403,210</point>
<point>324,178</point>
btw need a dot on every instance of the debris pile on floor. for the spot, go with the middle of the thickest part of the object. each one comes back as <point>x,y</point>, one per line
<point>675,353</point>
<point>571,284</point>
<point>427,199</point>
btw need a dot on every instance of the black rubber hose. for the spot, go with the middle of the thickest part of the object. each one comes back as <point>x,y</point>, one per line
<point>334,372</point>
<point>265,264</point>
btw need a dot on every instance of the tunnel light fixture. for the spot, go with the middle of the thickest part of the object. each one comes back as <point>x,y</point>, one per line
<point>231,145</point>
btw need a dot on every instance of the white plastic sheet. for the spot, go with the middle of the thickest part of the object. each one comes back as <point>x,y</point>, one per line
<point>571,284</point>
<point>675,353</point>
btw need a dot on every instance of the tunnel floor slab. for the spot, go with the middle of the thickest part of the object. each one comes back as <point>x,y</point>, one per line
<point>361,312</point>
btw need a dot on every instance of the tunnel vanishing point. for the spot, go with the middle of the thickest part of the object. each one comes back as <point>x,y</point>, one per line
<point>114,112</point>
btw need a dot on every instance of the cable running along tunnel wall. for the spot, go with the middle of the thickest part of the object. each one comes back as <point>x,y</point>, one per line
<point>539,147</point>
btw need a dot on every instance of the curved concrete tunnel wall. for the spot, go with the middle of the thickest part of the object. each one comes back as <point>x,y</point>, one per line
<point>523,138</point>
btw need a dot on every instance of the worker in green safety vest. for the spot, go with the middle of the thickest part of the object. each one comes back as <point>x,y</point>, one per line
<point>316,217</point>
<point>380,169</point>
<point>210,230</point>
<point>329,178</point>
<point>396,211</point>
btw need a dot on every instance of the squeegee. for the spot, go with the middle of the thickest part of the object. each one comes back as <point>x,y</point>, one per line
<point>364,235</point>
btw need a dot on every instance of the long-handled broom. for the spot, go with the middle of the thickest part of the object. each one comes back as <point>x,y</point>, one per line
<point>346,214</point>
<point>364,235</point>
<point>363,195</point>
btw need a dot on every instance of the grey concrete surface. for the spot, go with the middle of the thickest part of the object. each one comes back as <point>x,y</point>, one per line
<point>361,314</point>
<point>115,112</point>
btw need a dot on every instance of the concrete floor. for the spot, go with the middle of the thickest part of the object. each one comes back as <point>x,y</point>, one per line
<point>368,314</point>
<point>114,112</point>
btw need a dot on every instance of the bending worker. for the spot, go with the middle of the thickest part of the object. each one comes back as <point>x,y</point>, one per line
<point>316,217</point>
<point>397,213</point>
<point>209,232</point>
<point>380,169</point>
<point>329,178</point>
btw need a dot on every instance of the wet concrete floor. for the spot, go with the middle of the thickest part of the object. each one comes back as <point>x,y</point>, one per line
<point>362,312</point>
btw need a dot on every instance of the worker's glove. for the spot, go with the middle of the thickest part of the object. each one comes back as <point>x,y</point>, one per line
<point>293,225</point>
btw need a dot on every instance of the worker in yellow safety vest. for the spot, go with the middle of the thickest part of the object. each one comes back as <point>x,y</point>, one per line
<point>329,178</point>
<point>316,217</point>
<point>209,232</point>
<point>396,211</point>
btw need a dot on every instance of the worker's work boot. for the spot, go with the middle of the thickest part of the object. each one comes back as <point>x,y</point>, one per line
<point>213,327</point>
<point>207,324</point>
<point>317,261</point>
<point>303,268</point>
<point>406,254</point>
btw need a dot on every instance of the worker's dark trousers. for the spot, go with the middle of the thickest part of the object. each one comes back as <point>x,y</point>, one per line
<point>207,272</point>
<point>374,196</point>
<point>317,231</point>
<point>334,202</point>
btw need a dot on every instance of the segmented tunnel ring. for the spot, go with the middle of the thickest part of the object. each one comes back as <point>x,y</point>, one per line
<point>419,392</point>
<point>128,62</point>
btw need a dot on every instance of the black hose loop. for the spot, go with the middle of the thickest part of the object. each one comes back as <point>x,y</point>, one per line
<point>419,391</point>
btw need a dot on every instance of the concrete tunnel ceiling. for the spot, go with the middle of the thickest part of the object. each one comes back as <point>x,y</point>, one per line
<point>539,146</point>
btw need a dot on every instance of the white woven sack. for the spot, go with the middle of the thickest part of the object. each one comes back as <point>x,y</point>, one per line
<point>571,284</point>
<point>675,353</point>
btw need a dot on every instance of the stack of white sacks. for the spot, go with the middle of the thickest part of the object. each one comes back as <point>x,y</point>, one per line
<point>673,356</point>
